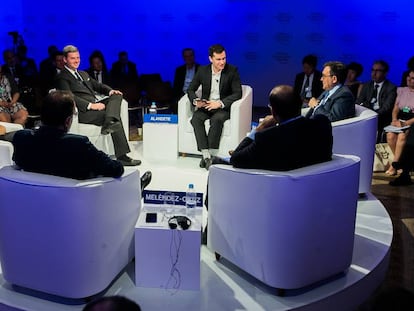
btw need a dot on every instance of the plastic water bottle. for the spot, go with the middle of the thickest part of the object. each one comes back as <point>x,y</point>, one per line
<point>153,108</point>
<point>190,200</point>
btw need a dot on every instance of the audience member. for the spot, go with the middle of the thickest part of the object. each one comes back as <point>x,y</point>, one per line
<point>354,70</point>
<point>11,110</point>
<point>47,64</point>
<point>112,303</point>
<point>405,162</point>
<point>51,150</point>
<point>410,66</point>
<point>402,115</point>
<point>379,95</point>
<point>337,101</point>
<point>96,69</point>
<point>49,73</point>
<point>123,71</point>
<point>308,83</point>
<point>29,67</point>
<point>103,112</point>
<point>184,74</point>
<point>282,141</point>
<point>220,88</point>
<point>11,67</point>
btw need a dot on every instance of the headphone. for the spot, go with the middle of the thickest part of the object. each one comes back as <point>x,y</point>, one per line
<point>183,221</point>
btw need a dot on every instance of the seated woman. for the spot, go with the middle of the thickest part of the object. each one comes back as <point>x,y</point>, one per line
<point>402,115</point>
<point>354,70</point>
<point>10,109</point>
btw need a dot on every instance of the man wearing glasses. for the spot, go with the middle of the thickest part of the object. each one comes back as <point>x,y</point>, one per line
<point>379,94</point>
<point>337,101</point>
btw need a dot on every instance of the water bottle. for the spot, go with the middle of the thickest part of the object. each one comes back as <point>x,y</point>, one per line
<point>190,200</point>
<point>153,108</point>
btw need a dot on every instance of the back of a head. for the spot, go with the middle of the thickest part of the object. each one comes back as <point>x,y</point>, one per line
<point>338,69</point>
<point>57,107</point>
<point>112,303</point>
<point>285,102</point>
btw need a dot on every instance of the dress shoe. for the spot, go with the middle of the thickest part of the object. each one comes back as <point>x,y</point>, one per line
<point>202,163</point>
<point>208,163</point>
<point>218,160</point>
<point>145,179</point>
<point>110,127</point>
<point>127,161</point>
<point>402,180</point>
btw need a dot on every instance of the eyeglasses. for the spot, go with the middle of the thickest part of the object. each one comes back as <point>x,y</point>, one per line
<point>326,76</point>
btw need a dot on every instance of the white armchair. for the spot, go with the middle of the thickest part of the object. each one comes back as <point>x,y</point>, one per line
<point>102,142</point>
<point>234,130</point>
<point>287,229</point>
<point>6,148</point>
<point>66,237</point>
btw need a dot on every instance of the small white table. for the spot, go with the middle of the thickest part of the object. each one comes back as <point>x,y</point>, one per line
<point>167,258</point>
<point>160,137</point>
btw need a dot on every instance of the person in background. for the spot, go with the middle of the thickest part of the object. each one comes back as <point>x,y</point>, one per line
<point>379,95</point>
<point>184,74</point>
<point>336,102</point>
<point>11,110</point>
<point>354,70</point>
<point>308,83</point>
<point>402,116</point>
<point>97,69</point>
<point>410,66</point>
<point>220,88</point>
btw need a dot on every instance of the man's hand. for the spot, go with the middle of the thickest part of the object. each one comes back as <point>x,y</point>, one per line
<point>200,103</point>
<point>211,105</point>
<point>313,102</point>
<point>268,121</point>
<point>97,106</point>
<point>114,92</point>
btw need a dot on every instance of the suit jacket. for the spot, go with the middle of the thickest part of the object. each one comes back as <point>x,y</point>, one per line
<point>52,151</point>
<point>230,86</point>
<point>291,145</point>
<point>316,83</point>
<point>340,105</point>
<point>106,79</point>
<point>179,79</point>
<point>119,79</point>
<point>84,91</point>
<point>387,97</point>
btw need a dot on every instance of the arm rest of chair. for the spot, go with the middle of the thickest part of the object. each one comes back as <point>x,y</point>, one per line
<point>6,153</point>
<point>11,127</point>
<point>241,113</point>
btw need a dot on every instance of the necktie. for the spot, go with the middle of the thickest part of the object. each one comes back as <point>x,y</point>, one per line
<point>78,76</point>
<point>374,97</point>
<point>305,87</point>
<point>97,75</point>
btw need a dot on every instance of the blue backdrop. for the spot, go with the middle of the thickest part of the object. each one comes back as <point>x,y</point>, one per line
<point>266,39</point>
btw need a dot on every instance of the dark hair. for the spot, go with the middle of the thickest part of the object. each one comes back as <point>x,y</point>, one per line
<point>285,102</point>
<point>216,48</point>
<point>98,54</point>
<point>357,67</point>
<point>410,63</point>
<point>337,69</point>
<point>310,60</point>
<point>187,50</point>
<point>384,64</point>
<point>57,107</point>
<point>112,303</point>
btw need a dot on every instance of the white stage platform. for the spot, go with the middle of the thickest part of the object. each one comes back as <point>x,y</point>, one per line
<point>224,286</point>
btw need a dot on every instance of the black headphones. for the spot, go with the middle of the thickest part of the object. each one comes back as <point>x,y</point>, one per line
<point>183,221</point>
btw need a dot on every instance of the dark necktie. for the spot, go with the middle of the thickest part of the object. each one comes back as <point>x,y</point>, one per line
<point>97,75</point>
<point>305,87</point>
<point>374,94</point>
<point>77,75</point>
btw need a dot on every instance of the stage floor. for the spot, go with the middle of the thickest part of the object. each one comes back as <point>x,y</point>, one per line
<point>224,286</point>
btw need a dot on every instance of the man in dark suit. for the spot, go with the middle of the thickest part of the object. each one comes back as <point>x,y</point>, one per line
<point>337,101</point>
<point>184,74</point>
<point>96,69</point>
<point>220,88</point>
<point>308,83</point>
<point>123,71</point>
<point>91,109</point>
<point>379,95</point>
<point>51,150</point>
<point>285,140</point>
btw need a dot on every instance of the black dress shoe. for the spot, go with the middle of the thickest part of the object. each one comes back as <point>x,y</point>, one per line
<point>218,160</point>
<point>127,161</point>
<point>202,163</point>
<point>145,179</point>
<point>110,127</point>
<point>402,180</point>
<point>208,163</point>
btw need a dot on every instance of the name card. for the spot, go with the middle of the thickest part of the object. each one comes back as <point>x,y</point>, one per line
<point>161,118</point>
<point>169,197</point>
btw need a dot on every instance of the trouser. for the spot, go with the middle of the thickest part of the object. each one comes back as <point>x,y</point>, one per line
<point>112,112</point>
<point>217,119</point>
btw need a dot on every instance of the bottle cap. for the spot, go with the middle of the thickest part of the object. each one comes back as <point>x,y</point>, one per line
<point>191,186</point>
